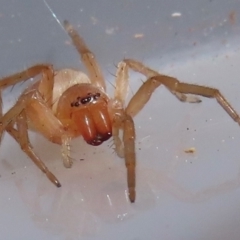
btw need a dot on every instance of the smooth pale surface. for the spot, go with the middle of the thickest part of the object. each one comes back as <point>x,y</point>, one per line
<point>179,195</point>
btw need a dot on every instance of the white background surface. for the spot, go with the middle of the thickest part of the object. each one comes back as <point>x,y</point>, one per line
<point>179,195</point>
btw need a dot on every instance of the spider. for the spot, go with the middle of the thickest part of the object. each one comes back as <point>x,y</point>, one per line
<point>66,104</point>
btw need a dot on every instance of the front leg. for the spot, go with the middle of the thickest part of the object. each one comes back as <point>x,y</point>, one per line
<point>88,58</point>
<point>148,72</point>
<point>44,85</point>
<point>122,84</point>
<point>32,109</point>
<point>21,136</point>
<point>173,85</point>
<point>130,155</point>
<point>125,148</point>
<point>122,121</point>
<point>28,74</point>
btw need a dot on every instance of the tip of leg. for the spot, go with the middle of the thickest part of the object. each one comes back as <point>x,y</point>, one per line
<point>57,183</point>
<point>132,196</point>
<point>53,179</point>
<point>67,25</point>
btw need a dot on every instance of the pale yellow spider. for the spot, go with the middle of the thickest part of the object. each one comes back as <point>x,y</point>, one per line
<point>66,104</point>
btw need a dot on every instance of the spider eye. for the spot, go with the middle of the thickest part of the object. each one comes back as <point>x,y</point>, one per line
<point>96,96</point>
<point>91,97</point>
<point>86,100</point>
<point>76,104</point>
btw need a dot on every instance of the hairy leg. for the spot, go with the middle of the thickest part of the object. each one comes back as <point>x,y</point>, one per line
<point>44,85</point>
<point>139,100</point>
<point>21,136</point>
<point>124,147</point>
<point>88,58</point>
<point>129,155</point>
<point>41,118</point>
<point>25,75</point>
<point>148,72</point>
<point>173,85</point>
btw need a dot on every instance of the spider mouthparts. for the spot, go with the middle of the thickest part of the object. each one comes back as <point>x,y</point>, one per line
<point>99,139</point>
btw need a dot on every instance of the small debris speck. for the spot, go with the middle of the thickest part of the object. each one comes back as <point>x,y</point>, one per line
<point>94,20</point>
<point>138,35</point>
<point>110,31</point>
<point>190,150</point>
<point>176,14</point>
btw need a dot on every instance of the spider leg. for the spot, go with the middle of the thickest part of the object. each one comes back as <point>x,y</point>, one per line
<point>26,74</point>
<point>45,87</point>
<point>123,117</point>
<point>15,111</point>
<point>36,101</point>
<point>148,72</point>
<point>1,104</point>
<point>41,118</point>
<point>124,147</point>
<point>121,87</point>
<point>21,136</point>
<point>130,155</point>
<point>118,143</point>
<point>88,58</point>
<point>1,112</point>
<point>173,85</point>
